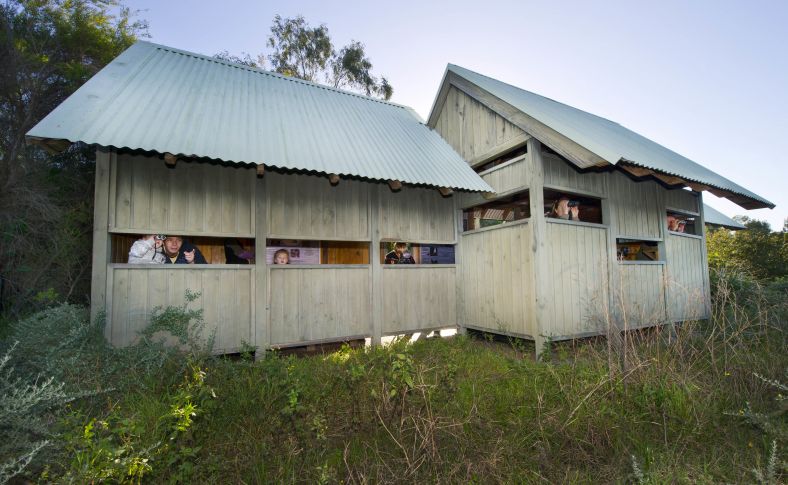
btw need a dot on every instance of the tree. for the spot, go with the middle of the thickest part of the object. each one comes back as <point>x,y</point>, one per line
<point>48,49</point>
<point>306,52</point>
<point>757,250</point>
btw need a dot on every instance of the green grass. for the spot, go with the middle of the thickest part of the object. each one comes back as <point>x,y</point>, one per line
<point>686,407</point>
<point>460,410</point>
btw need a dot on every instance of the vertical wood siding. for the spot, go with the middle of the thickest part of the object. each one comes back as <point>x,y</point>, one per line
<point>681,199</point>
<point>558,173</point>
<point>470,127</point>
<point>225,299</point>
<point>418,297</point>
<point>495,276</point>
<point>509,177</point>
<point>416,215</point>
<point>638,207</point>
<point>309,304</point>
<point>191,198</point>
<point>641,301</point>
<point>309,207</point>
<point>576,280</point>
<point>687,293</point>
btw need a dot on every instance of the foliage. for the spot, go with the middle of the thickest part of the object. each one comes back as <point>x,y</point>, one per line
<point>306,52</point>
<point>756,251</point>
<point>25,408</point>
<point>48,48</point>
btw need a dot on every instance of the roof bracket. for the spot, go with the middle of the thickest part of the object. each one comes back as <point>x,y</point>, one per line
<point>333,178</point>
<point>170,159</point>
<point>445,191</point>
<point>260,170</point>
<point>395,185</point>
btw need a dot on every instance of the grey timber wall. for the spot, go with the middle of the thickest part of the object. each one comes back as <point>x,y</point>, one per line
<point>146,196</point>
<point>472,129</point>
<point>641,295</point>
<point>418,297</point>
<point>308,207</point>
<point>687,282</point>
<point>226,300</point>
<point>558,175</point>
<point>319,303</point>
<point>270,305</point>
<point>496,280</point>
<point>576,280</point>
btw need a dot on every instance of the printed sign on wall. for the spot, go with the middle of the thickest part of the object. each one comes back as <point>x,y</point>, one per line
<point>292,255</point>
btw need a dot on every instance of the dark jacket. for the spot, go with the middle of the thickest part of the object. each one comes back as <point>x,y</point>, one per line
<point>393,258</point>
<point>198,257</point>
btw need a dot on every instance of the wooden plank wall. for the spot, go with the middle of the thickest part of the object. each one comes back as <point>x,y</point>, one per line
<point>225,298</point>
<point>681,199</point>
<point>309,207</point>
<point>686,288</point>
<point>508,177</point>
<point>191,198</point>
<point>415,215</point>
<point>577,279</point>
<point>559,174</point>
<point>639,208</point>
<point>495,277</point>
<point>470,127</point>
<point>418,297</point>
<point>641,301</point>
<point>312,303</point>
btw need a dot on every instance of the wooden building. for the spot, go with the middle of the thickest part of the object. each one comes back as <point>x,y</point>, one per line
<point>221,154</point>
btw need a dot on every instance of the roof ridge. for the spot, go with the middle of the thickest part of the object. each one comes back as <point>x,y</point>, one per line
<point>537,94</point>
<point>258,70</point>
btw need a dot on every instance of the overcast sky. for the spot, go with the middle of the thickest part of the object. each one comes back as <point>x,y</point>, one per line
<point>707,79</point>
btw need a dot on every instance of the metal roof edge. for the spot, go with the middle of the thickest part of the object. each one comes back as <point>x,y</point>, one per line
<point>270,73</point>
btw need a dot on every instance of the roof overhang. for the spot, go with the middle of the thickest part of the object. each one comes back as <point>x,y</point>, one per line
<point>576,153</point>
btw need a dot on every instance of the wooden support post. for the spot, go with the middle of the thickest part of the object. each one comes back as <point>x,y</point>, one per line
<point>395,185</point>
<point>458,268</point>
<point>333,178</point>
<point>701,220</point>
<point>613,313</point>
<point>170,159</point>
<point>376,269</point>
<point>101,241</point>
<point>260,170</point>
<point>445,191</point>
<point>537,244</point>
<point>261,323</point>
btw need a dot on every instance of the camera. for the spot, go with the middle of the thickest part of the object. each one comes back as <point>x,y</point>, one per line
<point>160,237</point>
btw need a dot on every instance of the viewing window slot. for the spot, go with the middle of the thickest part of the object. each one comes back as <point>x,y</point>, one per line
<point>567,206</point>
<point>293,251</point>
<point>502,159</point>
<point>412,253</point>
<point>637,250</point>
<point>681,223</point>
<point>139,248</point>
<point>509,209</point>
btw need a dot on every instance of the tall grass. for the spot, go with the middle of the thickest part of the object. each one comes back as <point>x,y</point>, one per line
<point>689,406</point>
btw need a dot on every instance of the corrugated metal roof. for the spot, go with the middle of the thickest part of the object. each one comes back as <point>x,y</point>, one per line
<point>714,217</point>
<point>161,99</point>
<point>607,139</point>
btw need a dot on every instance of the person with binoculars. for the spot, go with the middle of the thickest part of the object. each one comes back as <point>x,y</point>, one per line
<point>565,208</point>
<point>399,255</point>
<point>147,250</point>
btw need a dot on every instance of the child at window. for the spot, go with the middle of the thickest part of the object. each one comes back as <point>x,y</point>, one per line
<point>147,250</point>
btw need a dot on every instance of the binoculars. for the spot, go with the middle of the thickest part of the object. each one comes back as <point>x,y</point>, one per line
<point>160,237</point>
<point>573,203</point>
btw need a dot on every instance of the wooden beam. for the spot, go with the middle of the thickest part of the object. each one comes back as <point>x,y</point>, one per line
<point>395,184</point>
<point>333,178</point>
<point>170,159</point>
<point>669,179</point>
<point>260,170</point>
<point>637,171</point>
<point>445,191</point>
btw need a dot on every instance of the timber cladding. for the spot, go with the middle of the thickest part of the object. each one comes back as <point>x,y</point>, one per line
<point>147,196</point>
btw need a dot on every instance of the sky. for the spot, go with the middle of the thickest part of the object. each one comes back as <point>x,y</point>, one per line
<point>705,78</point>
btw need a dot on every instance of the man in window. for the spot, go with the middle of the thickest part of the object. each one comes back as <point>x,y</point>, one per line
<point>179,252</point>
<point>399,255</point>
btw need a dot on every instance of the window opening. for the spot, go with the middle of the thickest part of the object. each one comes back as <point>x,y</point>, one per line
<point>295,251</point>
<point>681,223</point>
<point>502,159</point>
<point>401,252</point>
<point>567,206</point>
<point>508,209</point>
<point>177,249</point>
<point>637,250</point>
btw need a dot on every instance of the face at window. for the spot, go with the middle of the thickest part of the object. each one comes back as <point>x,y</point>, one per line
<point>172,245</point>
<point>281,257</point>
